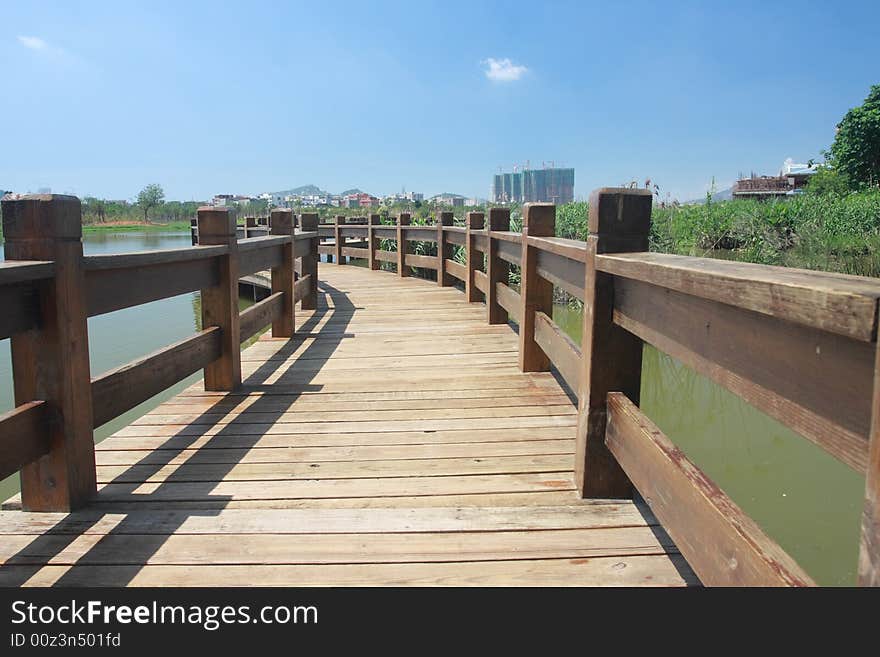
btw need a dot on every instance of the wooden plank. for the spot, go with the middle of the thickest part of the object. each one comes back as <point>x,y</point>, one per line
<point>109,289</point>
<point>24,436</point>
<point>304,521</point>
<point>385,232</point>
<point>480,241</point>
<point>562,352</point>
<point>649,570</point>
<point>114,261</point>
<point>563,272</point>
<point>386,256</point>
<point>354,252</point>
<point>21,308</point>
<point>456,269</point>
<point>266,257</point>
<point>567,248</point>
<point>23,271</point>
<point>125,387</point>
<point>509,251</point>
<point>420,234</point>
<point>481,281</point>
<point>721,543</point>
<point>510,300</point>
<point>258,316</point>
<point>346,548</point>
<point>838,303</point>
<point>253,415</point>
<point>456,235</point>
<point>427,262</point>
<point>398,468</point>
<point>359,453</point>
<point>342,488</point>
<point>815,382</point>
<point>301,287</point>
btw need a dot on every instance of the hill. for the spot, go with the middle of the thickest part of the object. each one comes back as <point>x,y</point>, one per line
<point>305,190</point>
<point>353,190</point>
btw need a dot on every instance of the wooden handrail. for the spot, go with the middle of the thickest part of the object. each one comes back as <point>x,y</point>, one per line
<point>799,345</point>
<point>50,288</point>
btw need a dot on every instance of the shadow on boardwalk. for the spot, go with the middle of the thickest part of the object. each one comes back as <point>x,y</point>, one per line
<point>54,541</point>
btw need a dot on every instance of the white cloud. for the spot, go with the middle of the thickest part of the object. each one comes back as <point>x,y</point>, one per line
<point>32,42</point>
<point>503,70</point>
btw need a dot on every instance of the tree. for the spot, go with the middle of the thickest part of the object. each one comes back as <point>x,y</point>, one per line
<point>855,152</point>
<point>827,180</point>
<point>150,197</point>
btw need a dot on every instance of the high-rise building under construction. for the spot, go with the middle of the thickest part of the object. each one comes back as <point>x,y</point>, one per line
<point>534,185</point>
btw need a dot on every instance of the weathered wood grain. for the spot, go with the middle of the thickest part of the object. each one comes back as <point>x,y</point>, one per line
<point>723,545</point>
<point>24,436</point>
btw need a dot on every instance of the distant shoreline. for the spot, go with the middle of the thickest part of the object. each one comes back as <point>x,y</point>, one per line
<point>131,227</point>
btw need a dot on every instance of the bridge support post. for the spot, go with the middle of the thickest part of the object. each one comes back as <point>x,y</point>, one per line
<point>220,302</point>
<point>611,357</point>
<point>539,220</point>
<point>337,250</point>
<point>869,548</point>
<point>51,363</point>
<point>444,249</point>
<point>282,276</point>
<point>474,221</point>
<point>403,219</point>
<point>250,223</point>
<point>308,223</point>
<point>372,242</point>
<point>497,269</point>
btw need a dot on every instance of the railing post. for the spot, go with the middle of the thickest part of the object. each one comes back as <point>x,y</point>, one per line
<point>308,223</point>
<point>372,242</point>
<point>444,249</point>
<point>473,221</point>
<point>497,270</point>
<point>539,220</point>
<point>220,303</point>
<point>282,276</point>
<point>52,362</point>
<point>403,219</point>
<point>249,224</point>
<point>338,237</point>
<point>869,548</point>
<point>611,358</point>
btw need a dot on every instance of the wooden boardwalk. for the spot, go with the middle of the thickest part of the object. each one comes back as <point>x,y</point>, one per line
<point>394,441</point>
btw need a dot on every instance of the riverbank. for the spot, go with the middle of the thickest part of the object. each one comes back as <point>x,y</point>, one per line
<point>136,227</point>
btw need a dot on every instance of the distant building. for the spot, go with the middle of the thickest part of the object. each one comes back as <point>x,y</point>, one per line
<point>454,200</point>
<point>222,199</point>
<point>549,185</point>
<point>792,178</point>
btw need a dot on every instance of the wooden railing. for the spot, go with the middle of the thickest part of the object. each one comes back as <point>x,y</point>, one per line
<point>800,346</point>
<point>49,291</point>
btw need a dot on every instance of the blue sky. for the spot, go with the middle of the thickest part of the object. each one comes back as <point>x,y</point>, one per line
<point>204,98</point>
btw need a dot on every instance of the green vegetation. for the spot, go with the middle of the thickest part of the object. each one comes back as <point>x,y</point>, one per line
<point>148,198</point>
<point>855,152</point>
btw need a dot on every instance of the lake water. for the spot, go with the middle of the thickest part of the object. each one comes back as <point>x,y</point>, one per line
<point>806,500</point>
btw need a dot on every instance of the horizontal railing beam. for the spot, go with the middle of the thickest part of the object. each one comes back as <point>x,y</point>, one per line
<point>123,388</point>
<point>24,436</point>
<point>720,542</point>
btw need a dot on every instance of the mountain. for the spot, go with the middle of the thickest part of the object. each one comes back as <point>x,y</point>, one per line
<point>723,195</point>
<point>353,190</point>
<point>305,190</point>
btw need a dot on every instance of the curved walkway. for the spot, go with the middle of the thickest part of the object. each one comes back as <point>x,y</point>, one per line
<point>393,441</point>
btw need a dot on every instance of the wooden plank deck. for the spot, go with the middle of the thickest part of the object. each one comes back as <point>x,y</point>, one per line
<point>394,441</point>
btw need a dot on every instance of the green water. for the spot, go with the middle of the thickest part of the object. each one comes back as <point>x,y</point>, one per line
<point>805,499</point>
<point>119,337</point>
